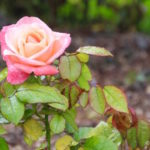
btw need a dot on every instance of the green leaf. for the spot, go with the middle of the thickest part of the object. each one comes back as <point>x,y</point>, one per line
<point>3,144</point>
<point>70,68</point>
<point>86,73</point>
<point>48,111</point>
<point>3,120</point>
<point>83,99</point>
<point>66,92</point>
<point>83,57</point>
<point>116,98</point>
<point>99,143</point>
<point>81,148</point>
<point>9,89</point>
<point>62,84</point>
<point>143,133</point>
<point>76,147</point>
<point>132,137</point>
<point>28,141</point>
<point>70,116</point>
<point>85,77</point>
<point>34,93</point>
<point>33,79</point>
<point>74,94</point>
<point>62,105</point>
<point>3,74</point>
<point>97,99</point>
<point>115,137</point>
<point>12,109</point>
<point>57,124</point>
<point>2,130</point>
<point>105,129</point>
<point>64,143</point>
<point>102,128</point>
<point>28,113</point>
<point>1,96</point>
<point>93,50</point>
<point>83,133</point>
<point>83,83</point>
<point>33,130</point>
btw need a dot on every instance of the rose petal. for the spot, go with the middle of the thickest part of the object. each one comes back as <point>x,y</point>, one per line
<point>62,42</point>
<point>32,20</point>
<point>44,70</point>
<point>43,55</point>
<point>15,76</point>
<point>32,48</point>
<point>25,50</point>
<point>10,40</point>
<point>2,38</point>
<point>5,50</point>
<point>17,42</point>
<point>57,48</point>
<point>17,58</point>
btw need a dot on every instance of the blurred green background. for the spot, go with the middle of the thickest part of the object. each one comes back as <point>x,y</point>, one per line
<point>97,15</point>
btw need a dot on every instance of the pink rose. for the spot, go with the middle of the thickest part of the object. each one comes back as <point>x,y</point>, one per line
<point>31,46</point>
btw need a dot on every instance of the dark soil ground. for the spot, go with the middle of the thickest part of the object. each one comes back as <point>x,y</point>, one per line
<point>129,69</point>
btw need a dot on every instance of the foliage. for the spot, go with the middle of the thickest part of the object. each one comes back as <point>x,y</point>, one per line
<point>46,106</point>
<point>108,15</point>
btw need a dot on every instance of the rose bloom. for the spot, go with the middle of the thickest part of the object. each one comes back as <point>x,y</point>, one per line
<point>30,46</point>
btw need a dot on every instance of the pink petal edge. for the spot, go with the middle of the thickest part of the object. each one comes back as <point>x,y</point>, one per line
<point>31,20</point>
<point>43,70</point>
<point>2,38</point>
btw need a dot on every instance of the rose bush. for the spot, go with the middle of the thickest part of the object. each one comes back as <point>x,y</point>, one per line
<point>48,106</point>
<point>31,46</point>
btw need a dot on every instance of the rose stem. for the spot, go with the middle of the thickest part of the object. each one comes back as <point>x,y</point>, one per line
<point>48,137</point>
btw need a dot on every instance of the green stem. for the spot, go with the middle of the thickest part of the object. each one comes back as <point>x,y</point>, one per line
<point>48,136</point>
